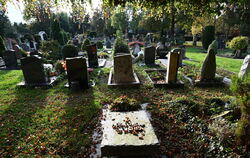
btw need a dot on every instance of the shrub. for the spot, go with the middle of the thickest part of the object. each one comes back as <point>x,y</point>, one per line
<point>99,44</point>
<point>207,36</point>
<point>51,50</point>
<point>69,51</point>
<point>85,43</point>
<point>238,43</point>
<point>123,103</point>
<point>2,46</point>
<point>120,46</point>
<point>241,89</point>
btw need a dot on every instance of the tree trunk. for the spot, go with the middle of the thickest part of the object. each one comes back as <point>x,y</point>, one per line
<point>172,21</point>
<point>194,40</point>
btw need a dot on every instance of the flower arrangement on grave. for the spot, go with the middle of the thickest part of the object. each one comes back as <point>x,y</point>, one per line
<point>123,103</point>
<point>60,66</point>
<point>103,55</point>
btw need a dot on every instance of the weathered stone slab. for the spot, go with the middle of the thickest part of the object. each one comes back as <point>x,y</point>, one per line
<point>245,68</point>
<point>92,55</point>
<point>149,55</point>
<point>172,68</point>
<point>208,69</point>
<point>77,71</point>
<point>114,144</point>
<point>123,71</point>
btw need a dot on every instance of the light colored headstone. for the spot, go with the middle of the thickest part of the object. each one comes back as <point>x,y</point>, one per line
<point>245,68</point>
<point>172,68</point>
<point>181,52</point>
<point>114,144</point>
<point>123,71</point>
<point>137,49</point>
<point>41,34</point>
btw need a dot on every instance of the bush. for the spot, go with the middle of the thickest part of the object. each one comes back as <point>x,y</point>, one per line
<point>51,50</point>
<point>69,51</point>
<point>2,46</point>
<point>84,45</point>
<point>207,36</point>
<point>123,103</point>
<point>99,44</point>
<point>239,43</point>
<point>241,89</point>
<point>120,46</point>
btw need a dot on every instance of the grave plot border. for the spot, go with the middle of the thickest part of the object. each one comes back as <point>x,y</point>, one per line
<point>178,84</point>
<point>111,83</point>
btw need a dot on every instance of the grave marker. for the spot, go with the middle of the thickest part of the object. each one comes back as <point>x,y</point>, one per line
<point>172,68</point>
<point>149,55</point>
<point>33,70</point>
<point>10,59</point>
<point>123,71</point>
<point>92,55</point>
<point>245,68</point>
<point>77,71</point>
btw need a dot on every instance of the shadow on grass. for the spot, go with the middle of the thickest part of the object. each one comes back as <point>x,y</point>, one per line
<point>78,123</point>
<point>16,119</point>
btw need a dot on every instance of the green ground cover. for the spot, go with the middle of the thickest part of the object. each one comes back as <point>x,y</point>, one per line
<point>228,64</point>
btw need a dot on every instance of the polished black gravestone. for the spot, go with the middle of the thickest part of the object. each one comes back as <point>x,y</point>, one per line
<point>149,55</point>
<point>10,59</point>
<point>34,74</point>
<point>77,73</point>
<point>92,55</point>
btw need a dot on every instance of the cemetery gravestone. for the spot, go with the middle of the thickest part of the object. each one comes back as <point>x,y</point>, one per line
<point>149,55</point>
<point>33,70</point>
<point>172,68</point>
<point>181,55</point>
<point>137,49</point>
<point>209,66</point>
<point>10,59</point>
<point>92,55</point>
<point>245,68</point>
<point>77,71</point>
<point>123,71</point>
<point>25,47</point>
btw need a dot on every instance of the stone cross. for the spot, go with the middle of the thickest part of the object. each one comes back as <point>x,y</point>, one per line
<point>92,55</point>
<point>208,69</point>
<point>149,55</point>
<point>77,71</point>
<point>10,58</point>
<point>245,68</point>
<point>172,68</point>
<point>123,71</point>
<point>33,70</point>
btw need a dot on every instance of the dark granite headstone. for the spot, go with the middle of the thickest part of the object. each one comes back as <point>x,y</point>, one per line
<point>208,69</point>
<point>149,55</point>
<point>77,71</point>
<point>92,55</point>
<point>9,58</point>
<point>33,70</point>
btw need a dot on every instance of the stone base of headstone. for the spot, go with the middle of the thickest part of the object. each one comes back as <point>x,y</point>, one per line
<point>101,63</point>
<point>199,83</point>
<point>177,84</point>
<point>51,83</point>
<point>111,82</point>
<point>128,145</point>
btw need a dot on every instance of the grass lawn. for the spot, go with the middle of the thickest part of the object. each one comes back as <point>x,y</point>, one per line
<point>228,64</point>
<point>58,123</point>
